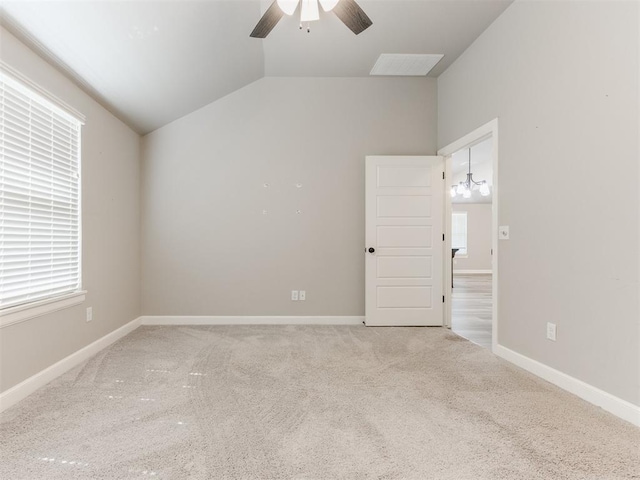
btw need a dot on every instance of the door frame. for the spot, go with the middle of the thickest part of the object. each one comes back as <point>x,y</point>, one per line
<point>488,130</point>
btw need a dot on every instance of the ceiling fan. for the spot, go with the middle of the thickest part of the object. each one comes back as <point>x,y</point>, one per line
<point>346,10</point>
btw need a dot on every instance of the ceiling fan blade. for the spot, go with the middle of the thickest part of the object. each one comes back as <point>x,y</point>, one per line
<point>269,20</point>
<point>352,16</point>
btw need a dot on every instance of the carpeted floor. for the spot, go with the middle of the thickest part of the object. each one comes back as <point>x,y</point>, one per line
<point>308,402</point>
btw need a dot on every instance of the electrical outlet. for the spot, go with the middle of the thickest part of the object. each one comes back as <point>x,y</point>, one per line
<point>551,331</point>
<point>294,295</point>
<point>89,314</point>
<point>303,295</point>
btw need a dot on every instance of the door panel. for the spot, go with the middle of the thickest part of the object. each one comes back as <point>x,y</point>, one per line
<point>403,177</point>
<point>404,206</point>
<point>404,297</point>
<point>407,236</point>
<point>404,267</point>
<point>404,224</point>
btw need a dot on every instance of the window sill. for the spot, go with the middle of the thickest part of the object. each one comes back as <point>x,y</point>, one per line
<point>20,313</point>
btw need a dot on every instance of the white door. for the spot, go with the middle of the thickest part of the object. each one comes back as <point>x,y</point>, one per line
<point>404,241</point>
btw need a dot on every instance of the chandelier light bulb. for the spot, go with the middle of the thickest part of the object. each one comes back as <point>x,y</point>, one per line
<point>466,188</point>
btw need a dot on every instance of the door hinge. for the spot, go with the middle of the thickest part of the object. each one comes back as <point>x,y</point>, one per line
<point>443,237</point>
<point>442,298</point>
<point>443,175</point>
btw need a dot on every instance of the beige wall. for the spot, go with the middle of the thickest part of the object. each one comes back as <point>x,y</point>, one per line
<point>111,226</point>
<point>207,247</point>
<point>478,237</point>
<point>562,77</point>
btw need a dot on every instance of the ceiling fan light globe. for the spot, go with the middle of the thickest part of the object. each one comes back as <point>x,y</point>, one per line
<point>309,11</point>
<point>288,6</point>
<point>453,191</point>
<point>460,189</point>
<point>484,189</point>
<point>466,194</point>
<point>327,5</point>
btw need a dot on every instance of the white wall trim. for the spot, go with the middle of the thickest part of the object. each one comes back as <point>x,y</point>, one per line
<point>488,130</point>
<point>478,135</point>
<point>472,272</point>
<point>50,97</point>
<point>12,396</point>
<point>20,313</point>
<point>612,404</point>
<point>251,320</point>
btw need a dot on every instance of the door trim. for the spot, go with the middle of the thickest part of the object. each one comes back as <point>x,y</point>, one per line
<point>488,130</point>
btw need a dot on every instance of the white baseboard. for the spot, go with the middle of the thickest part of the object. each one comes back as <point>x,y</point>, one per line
<point>472,272</point>
<point>251,320</point>
<point>12,396</point>
<point>612,404</point>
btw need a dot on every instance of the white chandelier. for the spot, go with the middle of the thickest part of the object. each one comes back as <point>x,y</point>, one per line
<point>309,10</point>
<point>464,188</point>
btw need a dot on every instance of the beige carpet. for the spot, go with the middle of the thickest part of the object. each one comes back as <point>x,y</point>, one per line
<point>308,402</point>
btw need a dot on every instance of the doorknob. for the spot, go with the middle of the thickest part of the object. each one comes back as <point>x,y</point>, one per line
<point>371,249</point>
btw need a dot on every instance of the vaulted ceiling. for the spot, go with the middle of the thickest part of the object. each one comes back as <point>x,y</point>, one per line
<point>151,62</point>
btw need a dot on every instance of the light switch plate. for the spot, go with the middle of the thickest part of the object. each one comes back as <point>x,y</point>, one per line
<point>551,331</point>
<point>503,232</point>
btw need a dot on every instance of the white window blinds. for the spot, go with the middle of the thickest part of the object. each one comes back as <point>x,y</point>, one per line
<point>39,197</point>
<point>459,232</point>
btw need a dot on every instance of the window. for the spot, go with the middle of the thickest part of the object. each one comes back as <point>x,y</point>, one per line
<point>40,241</point>
<point>459,232</point>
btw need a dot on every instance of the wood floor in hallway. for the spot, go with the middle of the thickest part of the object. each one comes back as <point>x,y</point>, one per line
<point>471,308</point>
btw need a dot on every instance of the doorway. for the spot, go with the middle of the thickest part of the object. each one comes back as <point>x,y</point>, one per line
<point>472,223</point>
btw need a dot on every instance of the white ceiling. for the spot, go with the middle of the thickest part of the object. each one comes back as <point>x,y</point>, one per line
<point>399,26</point>
<point>151,62</point>
<point>148,62</point>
